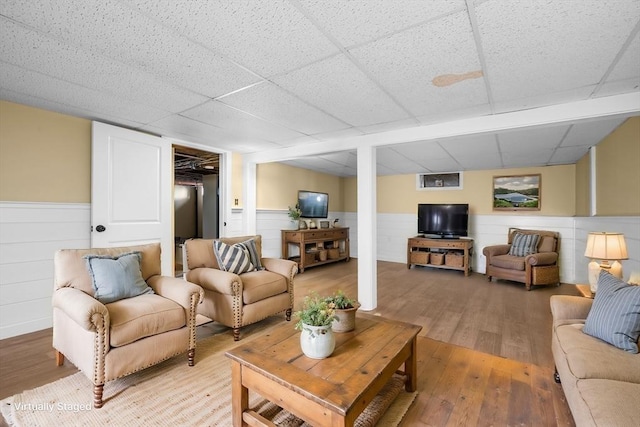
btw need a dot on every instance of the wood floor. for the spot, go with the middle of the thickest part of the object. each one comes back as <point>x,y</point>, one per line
<point>487,361</point>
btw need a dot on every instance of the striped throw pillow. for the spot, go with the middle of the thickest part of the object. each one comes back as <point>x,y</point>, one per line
<point>524,244</point>
<point>232,258</point>
<point>615,314</point>
<point>253,253</point>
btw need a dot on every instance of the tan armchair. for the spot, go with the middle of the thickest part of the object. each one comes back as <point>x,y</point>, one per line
<point>540,268</point>
<point>237,300</point>
<point>109,341</point>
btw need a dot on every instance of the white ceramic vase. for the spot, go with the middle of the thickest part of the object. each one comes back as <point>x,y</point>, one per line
<point>317,342</point>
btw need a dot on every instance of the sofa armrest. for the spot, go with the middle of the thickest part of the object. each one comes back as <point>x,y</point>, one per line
<point>89,313</point>
<point>284,267</point>
<point>542,258</point>
<point>495,250</point>
<point>565,307</point>
<point>184,293</point>
<point>216,280</point>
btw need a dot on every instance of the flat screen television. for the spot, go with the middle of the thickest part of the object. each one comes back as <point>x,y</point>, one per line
<point>448,221</point>
<point>313,204</point>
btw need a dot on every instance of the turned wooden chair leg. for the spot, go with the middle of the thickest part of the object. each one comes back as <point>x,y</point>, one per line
<point>236,334</point>
<point>556,376</point>
<point>59,358</point>
<point>191,355</point>
<point>97,395</point>
<point>288,314</point>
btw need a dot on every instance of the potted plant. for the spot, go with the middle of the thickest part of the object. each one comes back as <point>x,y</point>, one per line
<point>315,320</point>
<point>345,308</point>
<point>294,214</point>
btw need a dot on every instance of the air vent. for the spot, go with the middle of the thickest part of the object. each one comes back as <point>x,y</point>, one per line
<point>439,181</point>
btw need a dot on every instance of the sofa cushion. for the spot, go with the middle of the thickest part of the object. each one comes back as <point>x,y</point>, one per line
<point>588,357</point>
<point>508,261</point>
<point>524,244</point>
<point>615,314</point>
<point>143,316</point>
<point>233,258</point>
<point>259,285</point>
<point>116,277</point>
<point>611,403</point>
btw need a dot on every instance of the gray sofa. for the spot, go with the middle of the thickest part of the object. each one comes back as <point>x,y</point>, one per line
<point>601,382</point>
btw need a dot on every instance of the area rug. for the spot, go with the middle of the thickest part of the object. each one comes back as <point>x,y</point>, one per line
<point>170,393</point>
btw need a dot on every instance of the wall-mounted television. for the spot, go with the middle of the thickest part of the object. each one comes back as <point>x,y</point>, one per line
<point>313,204</point>
<point>448,221</point>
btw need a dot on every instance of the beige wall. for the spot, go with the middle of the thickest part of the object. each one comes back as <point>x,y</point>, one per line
<point>583,192</point>
<point>44,156</point>
<point>278,185</point>
<point>398,193</point>
<point>618,171</point>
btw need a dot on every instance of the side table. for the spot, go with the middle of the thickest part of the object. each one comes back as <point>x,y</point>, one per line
<point>585,291</point>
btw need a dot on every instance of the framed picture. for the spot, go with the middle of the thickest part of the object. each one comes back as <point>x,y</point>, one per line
<point>516,193</point>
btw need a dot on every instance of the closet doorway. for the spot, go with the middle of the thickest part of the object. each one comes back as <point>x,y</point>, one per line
<point>196,197</point>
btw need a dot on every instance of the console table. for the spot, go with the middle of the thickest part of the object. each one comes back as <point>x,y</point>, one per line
<point>454,254</point>
<point>317,246</point>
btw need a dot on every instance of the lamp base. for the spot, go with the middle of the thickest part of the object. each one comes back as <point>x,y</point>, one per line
<point>615,269</point>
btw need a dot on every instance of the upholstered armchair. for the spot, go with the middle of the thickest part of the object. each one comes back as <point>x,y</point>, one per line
<point>245,293</point>
<point>114,314</point>
<point>530,257</point>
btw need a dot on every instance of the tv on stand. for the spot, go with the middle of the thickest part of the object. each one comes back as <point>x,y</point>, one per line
<point>443,221</point>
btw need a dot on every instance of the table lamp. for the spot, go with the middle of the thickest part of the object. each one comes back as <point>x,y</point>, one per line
<point>605,247</point>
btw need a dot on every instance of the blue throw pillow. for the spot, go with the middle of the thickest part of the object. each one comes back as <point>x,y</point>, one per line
<point>615,314</point>
<point>524,244</point>
<point>233,258</point>
<point>116,278</point>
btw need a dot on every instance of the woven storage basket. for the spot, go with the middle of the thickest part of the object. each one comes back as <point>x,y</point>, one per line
<point>454,259</point>
<point>545,275</point>
<point>322,255</point>
<point>419,257</point>
<point>333,253</point>
<point>437,259</point>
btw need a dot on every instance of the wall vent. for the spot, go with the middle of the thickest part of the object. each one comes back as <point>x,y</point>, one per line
<point>439,181</point>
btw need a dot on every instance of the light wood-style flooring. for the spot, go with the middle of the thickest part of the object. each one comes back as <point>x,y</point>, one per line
<point>487,359</point>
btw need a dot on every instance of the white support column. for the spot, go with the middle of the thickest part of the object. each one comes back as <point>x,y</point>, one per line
<point>250,196</point>
<point>367,257</point>
<point>593,193</point>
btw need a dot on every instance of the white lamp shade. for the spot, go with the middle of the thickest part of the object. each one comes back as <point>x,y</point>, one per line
<point>606,246</point>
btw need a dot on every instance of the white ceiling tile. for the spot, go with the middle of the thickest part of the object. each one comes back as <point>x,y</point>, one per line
<point>384,127</point>
<point>590,133</point>
<point>472,145</point>
<point>530,155</point>
<point>274,104</point>
<point>541,46</point>
<point>336,86</point>
<point>628,67</point>
<point>463,113</point>
<point>394,158</point>
<point>50,89</point>
<point>407,62</point>
<point>337,135</point>
<point>568,155</point>
<point>479,162</point>
<point>266,36</point>
<point>531,140</point>
<point>542,100</point>
<point>421,150</point>
<point>87,69</point>
<point>354,22</point>
<point>197,130</point>
<point>242,124</point>
<point>107,28</point>
<point>618,87</point>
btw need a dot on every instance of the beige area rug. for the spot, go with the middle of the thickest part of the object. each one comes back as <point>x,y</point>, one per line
<point>168,394</point>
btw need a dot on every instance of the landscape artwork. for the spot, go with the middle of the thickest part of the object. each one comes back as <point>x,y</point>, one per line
<point>517,192</point>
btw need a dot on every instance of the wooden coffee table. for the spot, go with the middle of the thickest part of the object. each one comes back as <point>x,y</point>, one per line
<point>327,392</point>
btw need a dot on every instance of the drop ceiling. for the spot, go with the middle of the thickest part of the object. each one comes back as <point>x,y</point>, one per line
<point>258,75</point>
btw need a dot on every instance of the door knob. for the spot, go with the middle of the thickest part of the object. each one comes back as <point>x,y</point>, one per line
<point>100,228</point>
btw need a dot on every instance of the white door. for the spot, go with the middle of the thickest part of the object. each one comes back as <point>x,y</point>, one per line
<point>131,182</point>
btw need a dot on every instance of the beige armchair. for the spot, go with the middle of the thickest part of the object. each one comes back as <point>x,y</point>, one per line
<point>539,268</point>
<point>112,340</point>
<point>237,300</point>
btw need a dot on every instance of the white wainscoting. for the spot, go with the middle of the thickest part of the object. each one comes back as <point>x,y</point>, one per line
<point>30,233</point>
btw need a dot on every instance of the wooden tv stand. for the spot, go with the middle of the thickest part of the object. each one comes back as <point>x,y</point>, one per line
<point>333,242</point>
<point>433,253</point>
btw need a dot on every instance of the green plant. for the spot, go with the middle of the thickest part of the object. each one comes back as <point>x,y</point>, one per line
<point>295,212</point>
<point>316,311</point>
<point>341,301</point>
